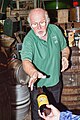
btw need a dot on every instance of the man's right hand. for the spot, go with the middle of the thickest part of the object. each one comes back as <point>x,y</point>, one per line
<point>34,78</point>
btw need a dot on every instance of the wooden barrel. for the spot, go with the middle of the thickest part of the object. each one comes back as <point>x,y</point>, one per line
<point>71,97</point>
<point>75,58</point>
<point>71,77</point>
<point>71,82</point>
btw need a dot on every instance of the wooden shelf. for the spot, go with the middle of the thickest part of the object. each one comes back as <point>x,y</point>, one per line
<point>76,25</point>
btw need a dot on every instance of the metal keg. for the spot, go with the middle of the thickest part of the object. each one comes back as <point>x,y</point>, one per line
<point>17,74</point>
<point>5,106</point>
<point>20,112</point>
<point>20,101</point>
<point>19,94</point>
<point>18,90</point>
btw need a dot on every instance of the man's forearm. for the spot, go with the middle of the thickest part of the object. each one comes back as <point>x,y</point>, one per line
<point>28,67</point>
<point>66,52</point>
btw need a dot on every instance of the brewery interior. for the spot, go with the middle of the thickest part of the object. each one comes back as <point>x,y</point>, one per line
<point>15,97</point>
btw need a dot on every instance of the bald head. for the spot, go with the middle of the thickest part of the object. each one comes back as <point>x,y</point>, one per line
<point>37,11</point>
<point>36,14</point>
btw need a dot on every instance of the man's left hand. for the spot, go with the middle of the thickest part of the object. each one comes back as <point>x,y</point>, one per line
<point>65,64</point>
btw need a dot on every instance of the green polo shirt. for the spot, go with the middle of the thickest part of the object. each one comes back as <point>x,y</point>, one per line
<point>45,55</point>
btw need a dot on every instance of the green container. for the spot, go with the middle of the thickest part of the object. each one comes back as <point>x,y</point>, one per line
<point>61,4</point>
<point>11,25</point>
<point>4,4</point>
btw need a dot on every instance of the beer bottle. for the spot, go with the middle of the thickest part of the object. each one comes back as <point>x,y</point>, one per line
<point>65,30</point>
<point>42,100</point>
<point>72,25</point>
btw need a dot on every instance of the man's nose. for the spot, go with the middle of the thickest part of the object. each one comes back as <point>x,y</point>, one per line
<point>39,26</point>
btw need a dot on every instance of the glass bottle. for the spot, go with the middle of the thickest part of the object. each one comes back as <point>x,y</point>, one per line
<point>42,100</point>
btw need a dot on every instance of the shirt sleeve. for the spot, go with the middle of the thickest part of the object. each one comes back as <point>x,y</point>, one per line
<point>27,49</point>
<point>67,115</point>
<point>61,38</point>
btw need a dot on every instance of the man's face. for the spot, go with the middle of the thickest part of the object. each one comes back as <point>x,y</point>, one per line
<point>38,23</point>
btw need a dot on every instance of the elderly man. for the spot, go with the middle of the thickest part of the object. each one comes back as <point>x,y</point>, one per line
<point>43,48</point>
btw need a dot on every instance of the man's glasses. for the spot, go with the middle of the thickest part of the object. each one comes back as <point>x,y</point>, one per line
<point>35,25</point>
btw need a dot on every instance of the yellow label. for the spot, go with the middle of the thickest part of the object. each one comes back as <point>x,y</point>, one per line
<point>71,39</point>
<point>42,99</point>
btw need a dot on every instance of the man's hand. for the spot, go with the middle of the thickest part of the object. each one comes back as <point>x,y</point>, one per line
<point>34,78</point>
<point>65,64</point>
<point>65,57</point>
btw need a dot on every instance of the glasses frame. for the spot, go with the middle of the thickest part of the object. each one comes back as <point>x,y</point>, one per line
<point>41,24</point>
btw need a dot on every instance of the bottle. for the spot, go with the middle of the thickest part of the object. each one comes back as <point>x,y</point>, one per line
<point>72,25</point>
<point>42,100</point>
<point>79,45</point>
<point>65,30</point>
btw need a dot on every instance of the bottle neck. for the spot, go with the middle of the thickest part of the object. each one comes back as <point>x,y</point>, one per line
<point>72,25</point>
<point>40,90</point>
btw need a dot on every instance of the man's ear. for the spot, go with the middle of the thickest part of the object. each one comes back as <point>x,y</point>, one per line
<point>48,20</point>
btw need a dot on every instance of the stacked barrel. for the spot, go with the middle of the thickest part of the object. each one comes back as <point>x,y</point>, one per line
<point>71,81</point>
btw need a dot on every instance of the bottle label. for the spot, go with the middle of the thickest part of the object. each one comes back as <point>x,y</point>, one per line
<point>42,99</point>
<point>71,38</point>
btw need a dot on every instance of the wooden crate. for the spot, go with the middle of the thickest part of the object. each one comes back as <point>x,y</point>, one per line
<point>63,16</point>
